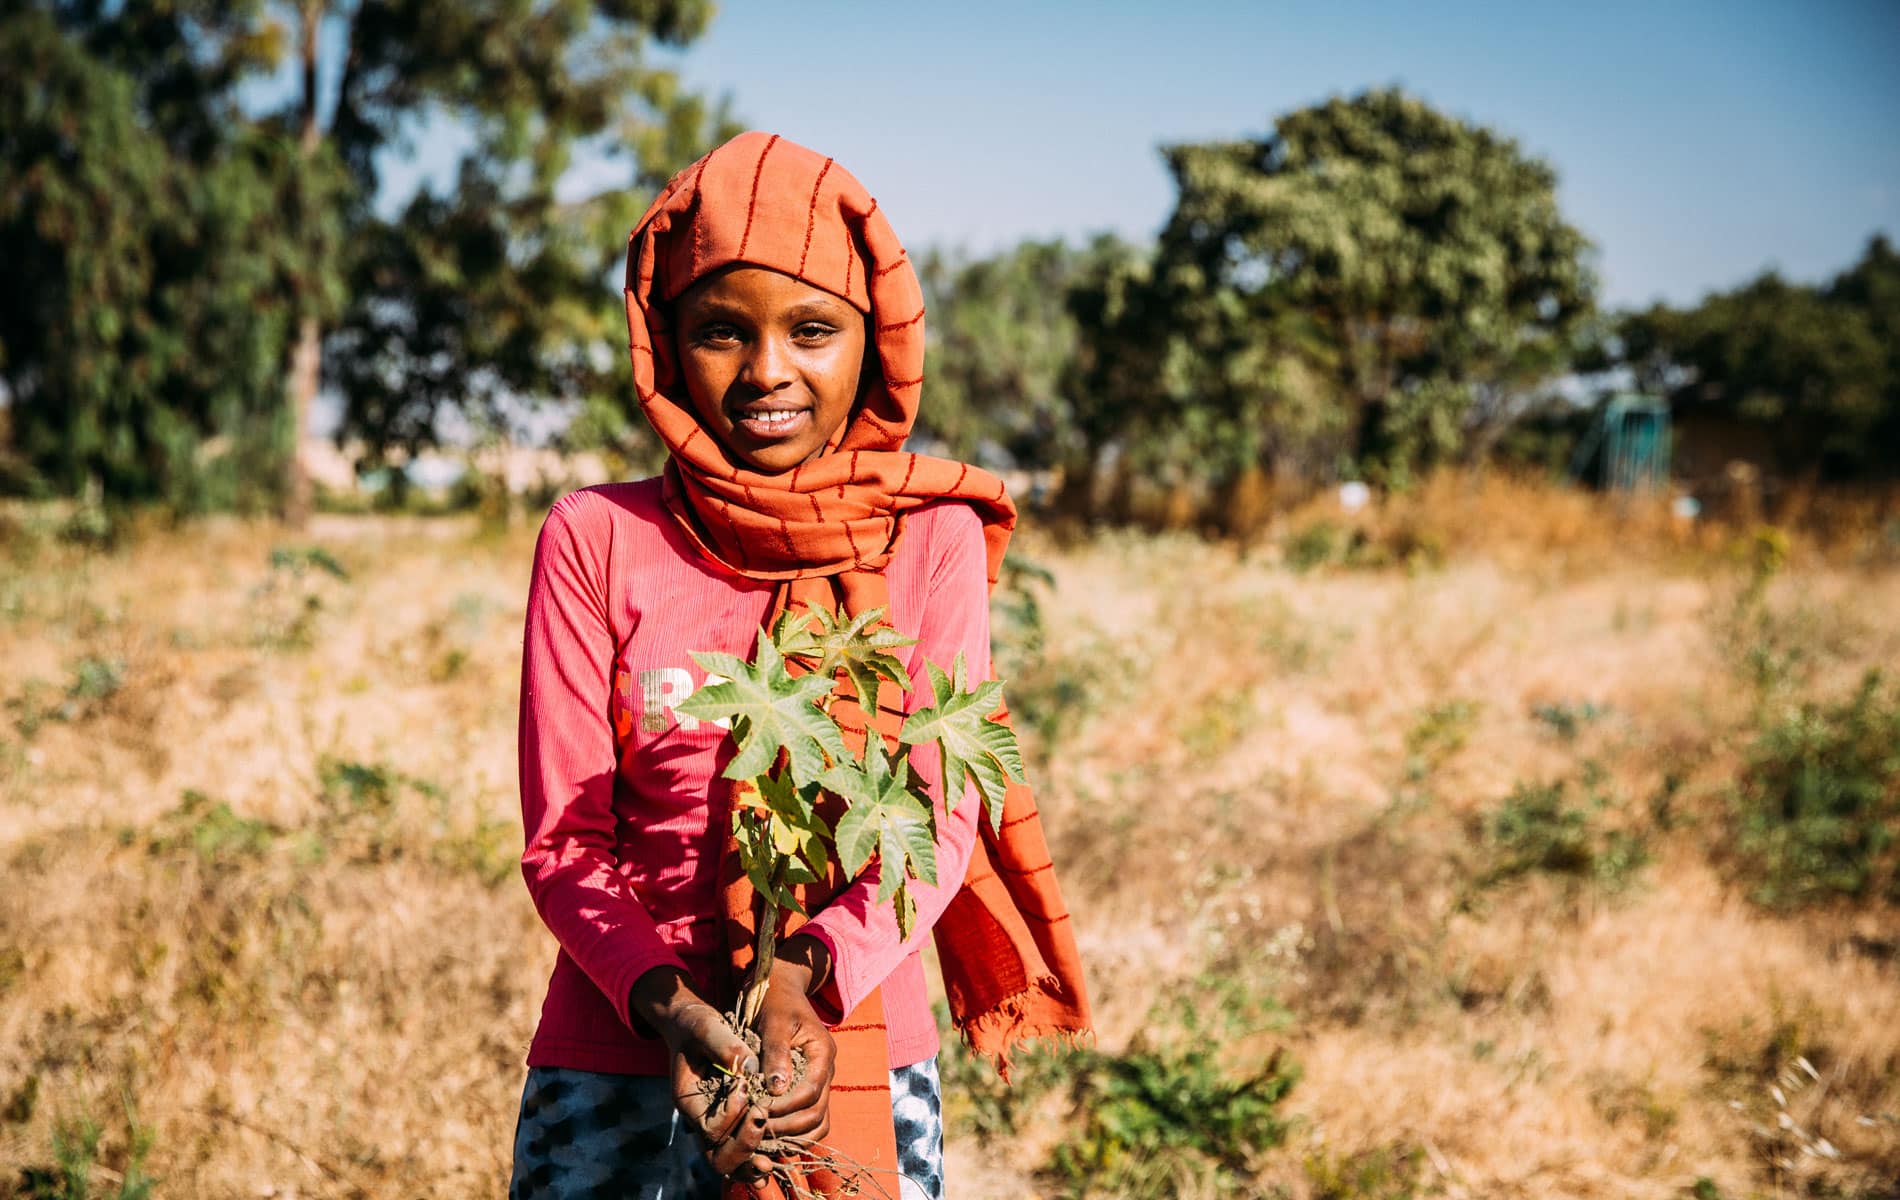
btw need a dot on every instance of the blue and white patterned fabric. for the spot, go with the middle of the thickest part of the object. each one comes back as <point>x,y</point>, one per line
<point>586,1134</point>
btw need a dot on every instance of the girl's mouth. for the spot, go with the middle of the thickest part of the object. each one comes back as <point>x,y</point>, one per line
<point>773,424</point>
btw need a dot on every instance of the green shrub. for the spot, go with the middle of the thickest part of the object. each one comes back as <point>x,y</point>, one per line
<point>1817,802</point>
<point>1536,830</point>
<point>1314,545</point>
<point>1171,1119</point>
<point>211,829</point>
<point>1386,1173</point>
<point>80,1150</point>
<point>1190,1107</point>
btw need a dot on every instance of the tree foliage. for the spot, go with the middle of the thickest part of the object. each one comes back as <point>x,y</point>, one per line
<point>1372,287</point>
<point>1818,365</point>
<point>1351,284</point>
<point>156,241</point>
<point>1002,339</point>
<point>488,297</point>
<point>186,235</point>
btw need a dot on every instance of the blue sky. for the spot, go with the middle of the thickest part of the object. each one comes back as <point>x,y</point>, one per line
<point>1697,143</point>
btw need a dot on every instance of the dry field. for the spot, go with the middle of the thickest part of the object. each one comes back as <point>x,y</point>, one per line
<point>1432,841</point>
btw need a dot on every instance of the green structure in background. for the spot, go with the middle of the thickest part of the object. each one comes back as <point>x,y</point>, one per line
<point>1627,449</point>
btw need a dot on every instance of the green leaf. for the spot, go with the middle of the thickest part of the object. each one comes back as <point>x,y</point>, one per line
<point>858,646</point>
<point>771,712</point>
<point>885,817</point>
<point>971,745</point>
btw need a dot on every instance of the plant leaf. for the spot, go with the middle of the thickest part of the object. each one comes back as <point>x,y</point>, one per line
<point>970,744</point>
<point>860,647</point>
<point>771,712</point>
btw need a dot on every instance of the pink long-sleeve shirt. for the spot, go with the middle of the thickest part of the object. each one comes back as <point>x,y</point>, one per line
<point>619,791</point>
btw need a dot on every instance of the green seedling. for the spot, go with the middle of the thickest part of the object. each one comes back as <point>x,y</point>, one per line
<point>791,751</point>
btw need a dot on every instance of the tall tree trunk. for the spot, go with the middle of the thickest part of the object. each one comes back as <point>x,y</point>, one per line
<point>300,385</point>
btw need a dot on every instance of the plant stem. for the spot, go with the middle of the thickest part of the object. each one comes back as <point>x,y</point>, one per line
<point>752,996</point>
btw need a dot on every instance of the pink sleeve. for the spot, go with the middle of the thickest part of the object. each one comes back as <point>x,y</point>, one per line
<point>861,934</point>
<point>568,759</point>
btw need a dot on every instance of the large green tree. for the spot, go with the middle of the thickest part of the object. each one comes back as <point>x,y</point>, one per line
<point>1003,346</point>
<point>154,274</point>
<point>482,297</point>
<point>1363,284</point>
<point>489,297</point>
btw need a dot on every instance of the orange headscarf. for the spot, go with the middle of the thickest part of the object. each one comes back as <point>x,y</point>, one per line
<point>826,530</point>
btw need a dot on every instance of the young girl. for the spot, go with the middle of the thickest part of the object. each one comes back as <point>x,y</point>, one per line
<point>777,340</point>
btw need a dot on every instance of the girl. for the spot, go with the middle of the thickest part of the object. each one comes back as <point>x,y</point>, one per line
<point>777,339</point>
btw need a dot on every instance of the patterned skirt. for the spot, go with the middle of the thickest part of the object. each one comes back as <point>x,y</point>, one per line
<point>582,1133</point>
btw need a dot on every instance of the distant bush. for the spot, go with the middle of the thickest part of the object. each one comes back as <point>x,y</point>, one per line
<point>1536,829</point>
<point>1818,800</point>
<point>1324,543</point>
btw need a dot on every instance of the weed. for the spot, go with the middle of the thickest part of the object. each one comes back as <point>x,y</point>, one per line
<point>1535,830</point>
<point>1317,545</point>
<point>1567,718</point>
<point>1186,1109</point>
<point>94,682</point>
<point>1171,1119</point>
<point>298,559</point>
<point>1386,1173</point>
<point>1017,629</point>
<point>80,1151</point>
<point>1439,732</point>
<point>1058,692</point>
<point>211,830</point>
<point>977,1102</point>
<point>350,787</point>
<point>286,605</point>
<point>1817,802</point>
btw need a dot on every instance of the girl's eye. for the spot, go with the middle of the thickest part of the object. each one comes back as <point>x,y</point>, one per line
<point>715,335</point>
<point>813,331</point>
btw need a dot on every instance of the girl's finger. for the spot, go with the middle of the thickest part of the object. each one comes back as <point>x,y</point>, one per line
<point>806,1093</point>
<point>805,1122</point>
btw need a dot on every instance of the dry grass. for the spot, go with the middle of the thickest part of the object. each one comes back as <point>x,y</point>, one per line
<point>256,826</point>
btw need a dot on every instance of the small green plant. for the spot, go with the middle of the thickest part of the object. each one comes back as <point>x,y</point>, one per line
<point>792,764</point>
<point>1567,718</point>
<point>1017,629</point>
<point>211,830</point>
<point>1440,731</point>
<point>287,603</point>
<point>1385,1173</point>
<point>94,682</point>
<point>1315,545</point>
<point>80,1152</point>
<point>1536,829</point>
<point>1178,1112</point>
<point>1817,804</point>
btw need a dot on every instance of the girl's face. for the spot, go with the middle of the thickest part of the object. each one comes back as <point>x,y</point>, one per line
<point>772,363</point>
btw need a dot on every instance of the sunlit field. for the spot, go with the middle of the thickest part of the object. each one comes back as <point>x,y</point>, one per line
<point>1498,842</point>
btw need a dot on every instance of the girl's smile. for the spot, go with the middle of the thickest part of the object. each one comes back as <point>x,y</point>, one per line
<point>772,363</point>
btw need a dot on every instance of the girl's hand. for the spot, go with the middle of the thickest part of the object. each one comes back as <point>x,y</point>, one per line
<point>800,1108</point>
<point>703,1048</point>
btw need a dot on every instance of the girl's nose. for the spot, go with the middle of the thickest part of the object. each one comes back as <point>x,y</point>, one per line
<point>769,366</point>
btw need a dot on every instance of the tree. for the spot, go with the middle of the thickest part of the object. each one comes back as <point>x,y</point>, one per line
<point>235,237</point>
<point>489,298</point>
<point>146,221</point>
<point>1003,342</point>
<point>1353,283</point>
<point>1817,365</point>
